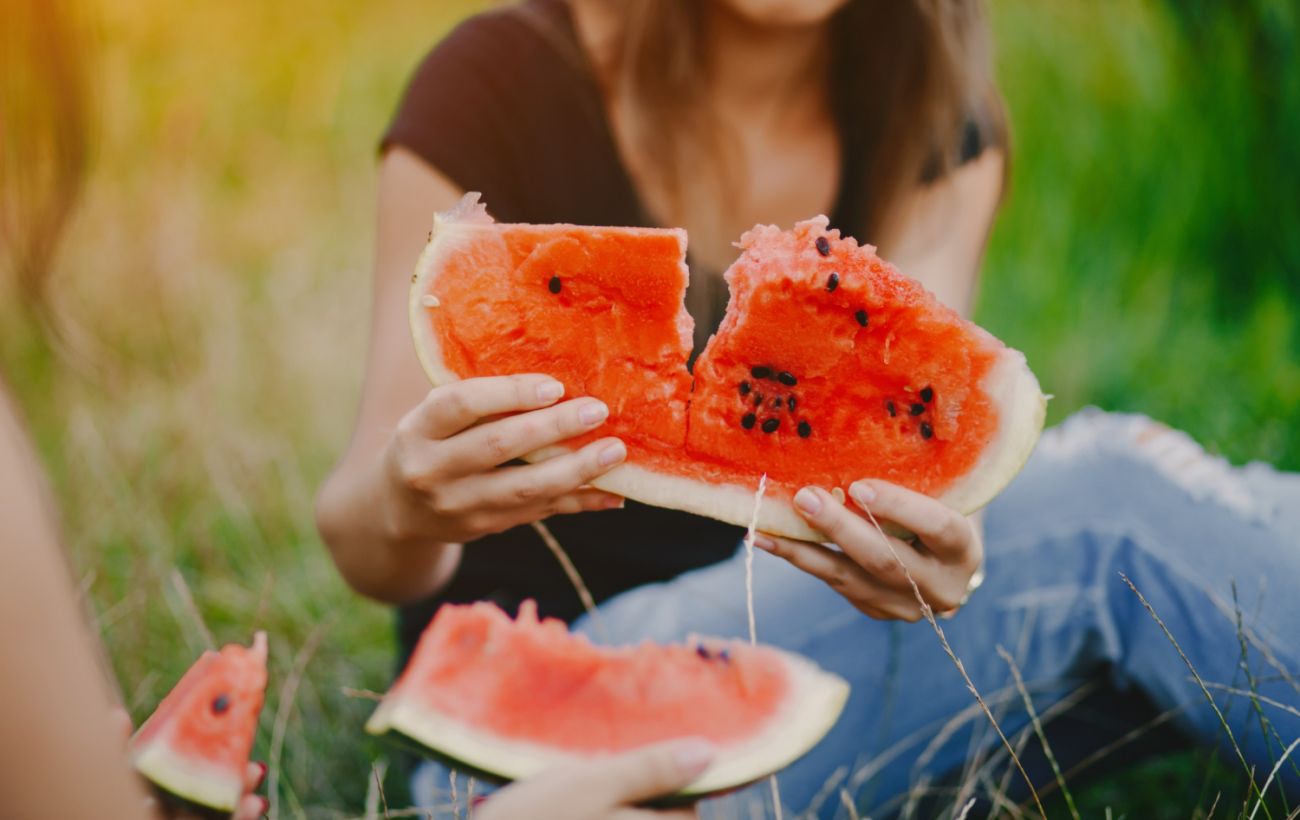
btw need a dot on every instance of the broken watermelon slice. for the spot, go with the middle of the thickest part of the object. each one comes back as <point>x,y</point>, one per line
<point>830,366</point>
<point>509,698</point>
<point>196,745</point>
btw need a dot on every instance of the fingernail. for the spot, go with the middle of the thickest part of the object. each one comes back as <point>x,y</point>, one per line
<point>615,503</point>
<point>808,501</point>
<point>763,542</point>
<point>266,804</point>
<point>864,494</point>
<point>593,412</point>
<point>612,453</point>
<point>693,756</point>
<point>261,773</point>
<point>549,391</point>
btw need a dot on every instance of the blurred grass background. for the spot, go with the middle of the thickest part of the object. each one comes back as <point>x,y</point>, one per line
<point>210,306</point>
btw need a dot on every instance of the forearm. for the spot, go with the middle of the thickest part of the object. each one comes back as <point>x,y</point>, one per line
<point>53,688</point>
<point>370,545</point>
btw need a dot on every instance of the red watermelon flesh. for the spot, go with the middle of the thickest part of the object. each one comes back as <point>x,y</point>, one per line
<point>830,366</point>
<point>197,743</point>
<point>512,697</point>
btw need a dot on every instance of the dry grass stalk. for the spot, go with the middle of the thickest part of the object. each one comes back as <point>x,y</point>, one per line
<point>584,594</point>
<point>1259,801</point>
<point>1038,730</point>
<point>928,613</point>
<point>1223,721</point>
<point>288,692</point>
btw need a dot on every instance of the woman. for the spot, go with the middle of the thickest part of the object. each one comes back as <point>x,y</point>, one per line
<point>715,116</point>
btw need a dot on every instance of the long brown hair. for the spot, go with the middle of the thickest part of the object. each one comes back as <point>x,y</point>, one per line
<point>909,79</point>
<point>44,134</point>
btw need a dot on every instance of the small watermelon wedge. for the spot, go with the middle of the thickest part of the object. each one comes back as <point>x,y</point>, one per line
<point>829,366</point>
<point>509,698</point>
<point>196,745</point>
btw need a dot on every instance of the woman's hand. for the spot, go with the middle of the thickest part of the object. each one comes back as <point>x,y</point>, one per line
<point>443,462</point>
<point>942,559</point>
<point>605,789</point>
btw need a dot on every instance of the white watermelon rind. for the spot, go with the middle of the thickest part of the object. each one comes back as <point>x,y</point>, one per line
<point>1010,384</point>
<point>193,780</point>
<point>811,707</point>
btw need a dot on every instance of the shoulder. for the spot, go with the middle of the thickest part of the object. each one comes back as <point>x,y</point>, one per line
<point>502,91</point>
<point>505,50</point>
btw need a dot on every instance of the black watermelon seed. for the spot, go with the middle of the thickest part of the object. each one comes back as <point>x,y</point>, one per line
<point>761,372</point>
<point>805,429</point>
<point>770,425</point>
<point>747,421</point>
<point>744,388</point>
<point>221,704</point>
<point>861,316</point>
<point>724,656</point>
<point>758,399</point>
<point>777,403</point>
<point>926,430</point>
<point>889,405</point>
<point>554,285</point>
<point>703,652</point>
<point>927,394</point>
<point>790,402</point>
<point>916,409</point>
<point>832,282</point>
<point>787,379</point>
<point>823,246</point>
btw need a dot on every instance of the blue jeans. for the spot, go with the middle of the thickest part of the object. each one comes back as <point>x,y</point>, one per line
<point>1105,497</point>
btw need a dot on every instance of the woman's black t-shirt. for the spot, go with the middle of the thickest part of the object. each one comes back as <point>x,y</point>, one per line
<point>507,105</point>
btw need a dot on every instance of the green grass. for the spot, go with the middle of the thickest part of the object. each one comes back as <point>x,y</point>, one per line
<point>211,329</point>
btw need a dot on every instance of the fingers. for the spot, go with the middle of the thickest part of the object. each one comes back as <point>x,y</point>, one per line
<point>251,807</point>
<point>944,531</point>
<point>451,408</point>
<point>846,577</point>
<point>497,442</point>
<point>254,774</point>
<point>940,580</point>
<point>654,771</point>
<point>858,538</point>
<point>544,482</point>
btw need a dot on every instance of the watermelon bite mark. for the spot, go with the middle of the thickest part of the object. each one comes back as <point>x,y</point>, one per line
<point>829,365</point>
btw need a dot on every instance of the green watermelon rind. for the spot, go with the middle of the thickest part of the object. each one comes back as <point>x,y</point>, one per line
<point>811,708</point>
<point>1010,384</point>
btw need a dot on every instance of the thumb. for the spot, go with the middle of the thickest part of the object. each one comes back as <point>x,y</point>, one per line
<point>653,771</point>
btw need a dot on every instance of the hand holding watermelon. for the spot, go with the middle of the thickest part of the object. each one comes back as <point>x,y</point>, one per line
<point>829,365</point>
<point>868,569</point>
<point>443,463</point>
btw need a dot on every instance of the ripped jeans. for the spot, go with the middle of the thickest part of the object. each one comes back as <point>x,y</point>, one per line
<point>1214,550</point>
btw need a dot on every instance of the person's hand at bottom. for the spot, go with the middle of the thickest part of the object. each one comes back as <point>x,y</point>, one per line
<point>606,789</point>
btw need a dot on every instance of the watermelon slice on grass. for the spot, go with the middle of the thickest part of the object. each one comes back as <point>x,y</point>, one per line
<point>510,698</point>
<point>196,745</point>
<point>830,366</point>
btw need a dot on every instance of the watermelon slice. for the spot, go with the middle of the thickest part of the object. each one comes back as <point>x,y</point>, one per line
<point>509,698</point>
<point>196,745</point>
<point>829,366</point>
